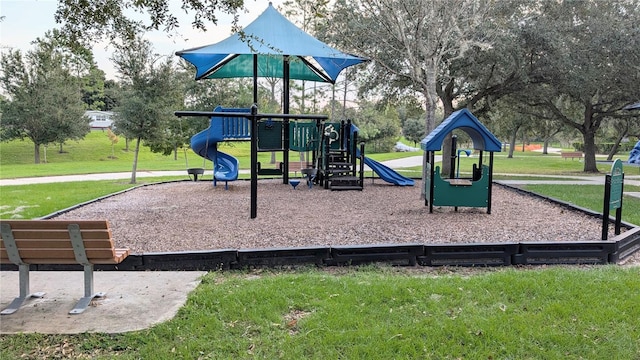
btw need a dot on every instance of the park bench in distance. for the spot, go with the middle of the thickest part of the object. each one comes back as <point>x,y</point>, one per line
<point>571,155</point>
<point>63,242</point>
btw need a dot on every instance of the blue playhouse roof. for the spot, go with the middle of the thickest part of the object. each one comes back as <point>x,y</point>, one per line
<point>464,120</point>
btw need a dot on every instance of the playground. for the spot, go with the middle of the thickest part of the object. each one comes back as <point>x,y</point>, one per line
<point>173,217</point>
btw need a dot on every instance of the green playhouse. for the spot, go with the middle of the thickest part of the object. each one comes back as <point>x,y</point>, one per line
<point>456,191</point>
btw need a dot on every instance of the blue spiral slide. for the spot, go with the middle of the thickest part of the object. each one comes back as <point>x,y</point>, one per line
<point>205,144</point>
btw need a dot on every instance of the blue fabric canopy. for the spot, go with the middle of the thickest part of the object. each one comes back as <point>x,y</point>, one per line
<point>272,37</point>
<point>464,120</point>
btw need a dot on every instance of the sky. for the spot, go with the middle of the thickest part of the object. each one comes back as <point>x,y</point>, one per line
<point>26,20</point>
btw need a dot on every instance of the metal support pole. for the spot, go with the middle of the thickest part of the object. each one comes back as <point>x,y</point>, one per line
<point>605,209</point>
<point>489,190</point>
<point>454,145</point>
<point>254,161</point>
<point>285,110</point>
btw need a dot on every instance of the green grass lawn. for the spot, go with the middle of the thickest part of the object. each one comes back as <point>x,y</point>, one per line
<point>94,155</point>
<point>356,313</point>
<point>381,313</point>
<point>591,197</point>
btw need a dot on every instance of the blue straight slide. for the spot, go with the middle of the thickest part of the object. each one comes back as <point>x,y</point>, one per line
<point>205,144</point>
<point>386,173</point>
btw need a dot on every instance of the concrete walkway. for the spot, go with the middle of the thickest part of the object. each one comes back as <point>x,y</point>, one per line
<point>410,161</point>
<point>134,300</point>
<point>394,164</point>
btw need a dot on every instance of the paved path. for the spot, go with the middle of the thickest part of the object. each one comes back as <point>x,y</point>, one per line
<point>410,161</point>
<point>397,163</point>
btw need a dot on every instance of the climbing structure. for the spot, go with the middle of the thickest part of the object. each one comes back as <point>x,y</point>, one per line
<point>339,161</point>
<point>332,156</point>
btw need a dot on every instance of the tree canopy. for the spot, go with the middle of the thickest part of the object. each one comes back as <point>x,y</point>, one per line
<point>44,88</point>
<point>150,96</point>
<point>86,21</point>
<point>584,67</point>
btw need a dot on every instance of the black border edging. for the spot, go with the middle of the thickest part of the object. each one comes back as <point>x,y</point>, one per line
<point>627,244</point>
<point>482,255</point>
<point>499,254</point>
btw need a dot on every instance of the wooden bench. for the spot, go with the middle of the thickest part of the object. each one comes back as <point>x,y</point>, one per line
<point>571,155</point>
<point>459,182</point>
<point>84,242</point>
<point>297,166</point>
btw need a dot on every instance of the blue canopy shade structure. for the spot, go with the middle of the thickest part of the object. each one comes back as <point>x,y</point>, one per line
<point>274,40</point>
<point>464,120</point>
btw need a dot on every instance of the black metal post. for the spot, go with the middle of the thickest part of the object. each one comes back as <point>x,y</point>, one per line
<point>454,146</point>
<point>489,192</point>
<point>605,209</point>
<point>285,110</point>
<point>254,161</point>
<point>431,176</point>
<point>255,78</point>
<point>619,209</point>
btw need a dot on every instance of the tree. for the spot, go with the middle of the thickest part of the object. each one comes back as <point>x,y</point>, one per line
<point>415,45</point>
<point>413,130</point>
<point>408,41</point>
<point>150,96</point>
<point>88,21</point>
<point>111,95</point>
<point>378,125</point>
<point>586,54</point>
<point>113,138</point>
<point>93,89</point>
<point>45,103</point>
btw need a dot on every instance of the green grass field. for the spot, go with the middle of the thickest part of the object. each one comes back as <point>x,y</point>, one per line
<point>380,313</point>
<point>371,312</point>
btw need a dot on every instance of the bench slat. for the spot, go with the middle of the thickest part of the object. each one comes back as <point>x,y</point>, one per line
<point>49,242</point>
<point>120,255</point>
<point>59,234</point>
<point>66,253</point>
<point>61,243</point>
<point>56,224</point>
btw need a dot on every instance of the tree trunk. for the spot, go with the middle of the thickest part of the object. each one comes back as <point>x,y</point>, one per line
<point>446,156</point>
<point>512,142</point>
<point>545,146</point>
<point>614,149</point>
<point>36,153</point>
<point>135,161</point>
<point>431,97</point>
<point>590,151</point>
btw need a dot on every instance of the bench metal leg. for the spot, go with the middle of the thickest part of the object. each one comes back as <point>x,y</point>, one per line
<point>24,291</point>
<point>89,295</point>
